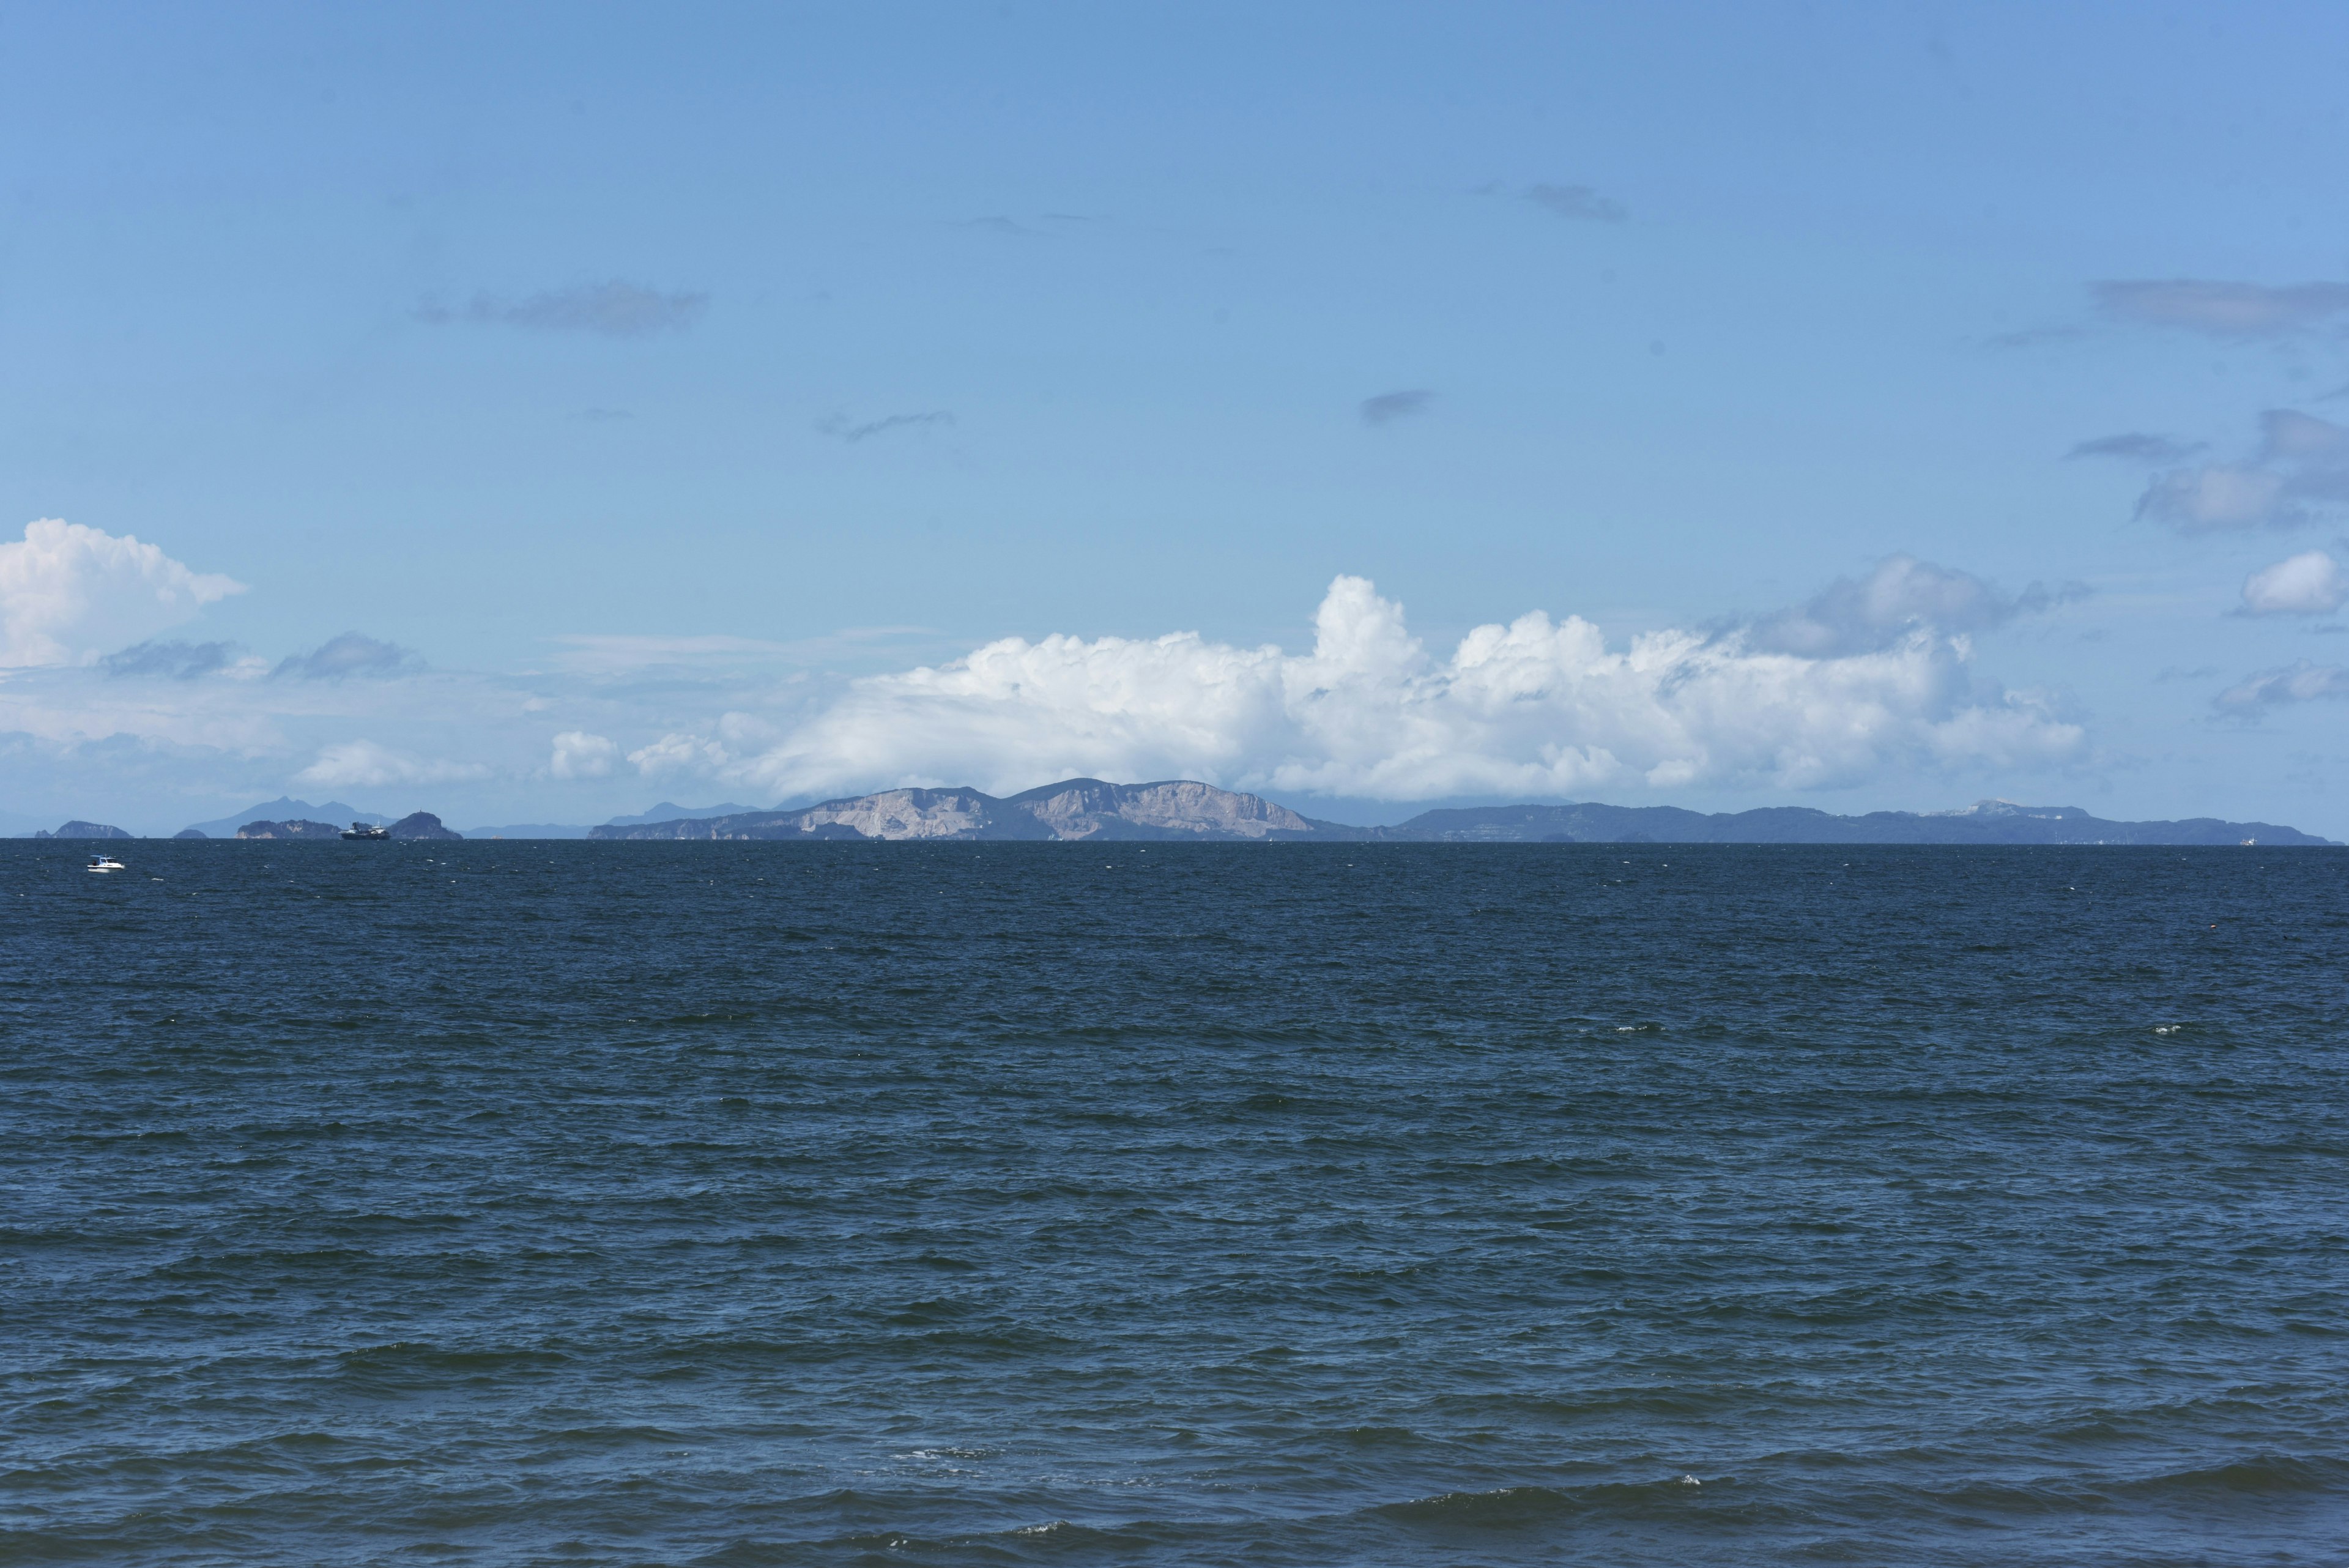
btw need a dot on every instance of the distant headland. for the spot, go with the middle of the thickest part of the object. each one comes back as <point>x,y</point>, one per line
<point>1186,811</point>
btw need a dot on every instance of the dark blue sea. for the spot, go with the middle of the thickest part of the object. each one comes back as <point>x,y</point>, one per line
<point>562,1203</point>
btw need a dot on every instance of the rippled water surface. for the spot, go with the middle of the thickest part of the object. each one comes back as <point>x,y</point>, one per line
<point>735,1203</point>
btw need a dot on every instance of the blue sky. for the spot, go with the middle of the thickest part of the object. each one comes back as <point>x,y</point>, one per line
<point>756,403</point>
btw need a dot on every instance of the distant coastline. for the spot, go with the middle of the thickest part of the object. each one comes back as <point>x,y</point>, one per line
<point>1085,810</point>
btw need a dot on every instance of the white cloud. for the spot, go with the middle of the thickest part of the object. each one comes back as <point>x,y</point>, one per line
<point>679,753</point>
<point>364,763</point>
<point>1533,706</point>
<point>2308,584</point>
<point>580,755</point>
<point>70,593</point>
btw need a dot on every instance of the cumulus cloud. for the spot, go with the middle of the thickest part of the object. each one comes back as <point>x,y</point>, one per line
<point>580,755</point>
<point>2136,446</point>
<point>1536,707</point>
<point>614,310</point>
<point>1903,597</point>
<point>1387,407</point>
<point>2300,472</point>
<point>2301,682</point>
<point>1579,203</point>
<point>2308,584</point>
<point>67,593</point>
<point>351,654</point>
<point>356,763</point>
<point>2223,309</point>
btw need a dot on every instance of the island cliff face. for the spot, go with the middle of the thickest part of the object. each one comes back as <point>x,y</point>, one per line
<point>1181,810</point>
<point>1076,809</point>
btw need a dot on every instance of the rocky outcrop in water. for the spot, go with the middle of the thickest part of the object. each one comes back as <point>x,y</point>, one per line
<point>421,825</point>
<point>80,829</point>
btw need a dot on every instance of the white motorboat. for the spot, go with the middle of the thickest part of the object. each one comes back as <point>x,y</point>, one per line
<point>366,830</point>
<point>105,863</point>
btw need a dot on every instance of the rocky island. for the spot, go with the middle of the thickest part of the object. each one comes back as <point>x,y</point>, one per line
<point>415,824</point>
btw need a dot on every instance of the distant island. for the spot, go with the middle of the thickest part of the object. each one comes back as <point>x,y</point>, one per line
<point>415,824</point>
<point>1184,810</point>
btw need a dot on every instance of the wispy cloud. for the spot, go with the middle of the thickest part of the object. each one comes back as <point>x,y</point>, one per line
<point>359,764</point>
<point>1902,598</point>
<point>1042,223</point>
<point>2034,336</point>
<point>2299,473</point>
<point>841,427</point>
<point>349,655</point>
<point>2301,682</point>
<point>172,660</point>
<point>1389,407</point>
<point>1579,203</point>
<point>2222,309</point>
<point>618,653</point>
<point>613,309</point>
<point>2136,446</point>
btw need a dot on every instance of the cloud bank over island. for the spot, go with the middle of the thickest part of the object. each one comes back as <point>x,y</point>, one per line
<point>1535,706</point>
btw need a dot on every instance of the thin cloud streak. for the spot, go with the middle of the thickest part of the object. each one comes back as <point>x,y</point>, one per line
<point>839,426</point>
<point>613,309</point>
<point>2222,309</point>
<point>1578,202</point>
<point>1389,407</point>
